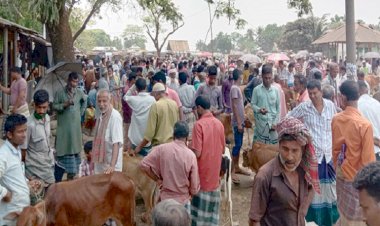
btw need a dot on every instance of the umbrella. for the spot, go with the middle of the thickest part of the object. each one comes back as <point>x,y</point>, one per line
<point>205,54</point>
<point>277,57</point>
<point>370,55</point>
<point>250,58</point>
<point>302,54</point>
<point>318,54</point>
<point>56,77</point>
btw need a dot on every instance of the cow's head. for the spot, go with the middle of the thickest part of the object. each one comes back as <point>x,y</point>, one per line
<point>30,215</point>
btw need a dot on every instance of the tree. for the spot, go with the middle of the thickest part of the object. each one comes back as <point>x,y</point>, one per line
<point>303,7</point>
<point>201,46</point>
<point>56,16</point>
<point>133,35</point>
<point>91,38</point>
<point>222,43</point>
<point>269,35</point>
<point>117,43</point>
<point>299,34</point>
<point>336,21</point>
<point>159,15</point>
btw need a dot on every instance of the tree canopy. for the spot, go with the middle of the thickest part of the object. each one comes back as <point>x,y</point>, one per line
<point>134,35</point>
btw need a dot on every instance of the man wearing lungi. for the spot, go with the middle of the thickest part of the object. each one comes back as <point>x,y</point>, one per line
<point>208,145</point>
<point>353,148</point>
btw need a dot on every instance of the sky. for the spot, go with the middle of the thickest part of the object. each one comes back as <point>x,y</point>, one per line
<point>255,12</point>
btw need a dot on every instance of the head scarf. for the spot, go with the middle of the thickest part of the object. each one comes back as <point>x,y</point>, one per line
<point>309,162</point>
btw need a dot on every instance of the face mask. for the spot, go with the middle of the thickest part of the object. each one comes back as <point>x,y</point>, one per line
<point>39,116</point>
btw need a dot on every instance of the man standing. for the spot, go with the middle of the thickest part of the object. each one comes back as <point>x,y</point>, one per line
<point>370,109</point>
<point>266,107</point>
<point>127,111</point>
<point>226,90</point>
<point>160,77</point>
<point>367,181</point>
<point>186,94</point>
<point>178,180</point>
<point>208,145</point>
<point>333,80</point>
<point>237,104</point>
<point>162,116</point>
<point>211,91</point>
<point>70,104</point>
<point>353,148</point>
<point>14,190</point>
<point>317,114</point>
<point>140,106</point>
<point>300,83</point>
<point>39,160</point>
<point>18,92</point>
<point>284,187</point>
<point>107,148</point>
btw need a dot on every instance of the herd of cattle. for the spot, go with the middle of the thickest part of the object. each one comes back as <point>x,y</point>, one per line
<point>94,199</point>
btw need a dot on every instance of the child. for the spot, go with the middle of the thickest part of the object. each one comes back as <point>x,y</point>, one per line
<point>87,167</point>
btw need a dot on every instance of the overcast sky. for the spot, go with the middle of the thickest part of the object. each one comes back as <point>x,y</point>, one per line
<point>255,12</point>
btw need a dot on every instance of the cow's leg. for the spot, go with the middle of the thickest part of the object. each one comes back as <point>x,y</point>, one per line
<point>148,197</point>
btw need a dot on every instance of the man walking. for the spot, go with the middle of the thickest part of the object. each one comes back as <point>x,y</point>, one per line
<point>140,106</point>
<point>353,148</point>
<point>212,92</point>
<point>18,92</point>
<point>70,104</point>
<point>266,107</point>
<point>163,115</point>
<point>186,94</point>
<point>208,145</point>
<point>107,149</point>
<point>39,159</point>
<point>370,109</point>
<point>178,180</point>
<point>284,187</point>
<point>317,114</point>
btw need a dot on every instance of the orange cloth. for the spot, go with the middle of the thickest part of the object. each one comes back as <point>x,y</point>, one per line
<point>352,129</point>
<point>303,97</point>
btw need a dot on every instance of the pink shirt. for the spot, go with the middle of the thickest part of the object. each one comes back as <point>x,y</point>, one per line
<point>303,97</point>
<point>283,108</point>
<point>208,140</point>
<point>172,94</point>
<point>18,86</point>
<point>176,165</point>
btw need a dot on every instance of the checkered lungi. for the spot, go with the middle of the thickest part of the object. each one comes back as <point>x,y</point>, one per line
<point>190,120</point>
<point>348,200</point>
<point>69,162</point>
<point>205,208</point>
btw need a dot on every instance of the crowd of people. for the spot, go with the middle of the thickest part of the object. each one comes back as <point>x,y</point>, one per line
<point>324,121</point>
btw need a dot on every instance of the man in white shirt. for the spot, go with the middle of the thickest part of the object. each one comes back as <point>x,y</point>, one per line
<point>186,94</point>
<point>140,106</point>
<point>14,190</point>
<point>108,141</point>
<point>370,109</point>
<point>317,114</point>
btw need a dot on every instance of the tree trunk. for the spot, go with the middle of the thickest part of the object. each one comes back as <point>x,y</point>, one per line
<point>158,49</point>
<point>61,38</point>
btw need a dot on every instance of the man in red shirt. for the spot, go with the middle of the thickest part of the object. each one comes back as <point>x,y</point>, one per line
<point>208,145</point>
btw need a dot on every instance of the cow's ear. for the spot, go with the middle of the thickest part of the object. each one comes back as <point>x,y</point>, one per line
<point>12,216</point>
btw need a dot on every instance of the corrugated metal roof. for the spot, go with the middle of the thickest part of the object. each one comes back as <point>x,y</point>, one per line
<point>178,46</point>
<point>363,34</point>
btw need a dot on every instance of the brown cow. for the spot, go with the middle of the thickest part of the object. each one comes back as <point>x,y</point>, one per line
<point>259,155</point>
<point>373,82</point>
<point>89,200</point>
<point>144,185</point>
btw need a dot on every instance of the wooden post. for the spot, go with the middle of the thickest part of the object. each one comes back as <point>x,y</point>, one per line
<point>5,69</point>
<point>15,37</point>
<point>350,32</point>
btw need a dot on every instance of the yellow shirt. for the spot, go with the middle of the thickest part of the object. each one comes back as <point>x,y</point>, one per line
<point>162,117</point>
<point>245,76</point>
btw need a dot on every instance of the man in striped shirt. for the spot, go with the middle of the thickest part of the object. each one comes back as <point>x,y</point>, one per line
<point>317,114</point>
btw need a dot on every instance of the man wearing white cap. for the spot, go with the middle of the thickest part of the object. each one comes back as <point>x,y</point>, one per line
<point>162,117</point>
<point>172,80</point>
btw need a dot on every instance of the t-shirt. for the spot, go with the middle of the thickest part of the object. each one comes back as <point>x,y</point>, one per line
<point>17,87</point>
<point>235,93</point>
